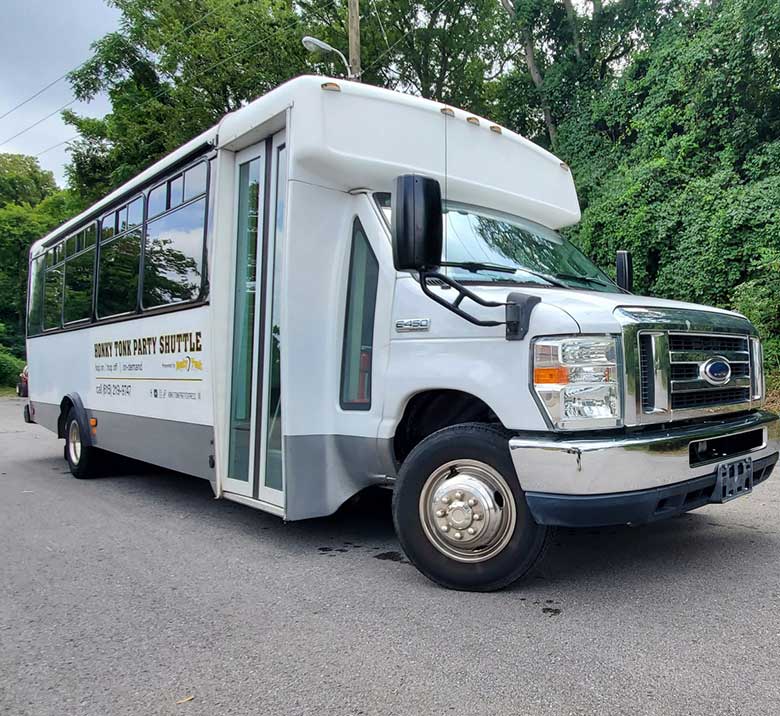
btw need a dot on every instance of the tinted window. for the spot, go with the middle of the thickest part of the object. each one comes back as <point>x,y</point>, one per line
<point>157,200</point>
<point>89,235</point>
<point>78,286</point>
<point>174,255</point>
<point>359,327</point>
<point>122,220</point>
<point>177,190</point>
<point>70,245</point>
<point>135,212</point>
<point>52,299</point>
<point>195,181</point>
<point>59,252</point>
<point>108,227</point>
<point>118,275</point>
<point>35,296</point>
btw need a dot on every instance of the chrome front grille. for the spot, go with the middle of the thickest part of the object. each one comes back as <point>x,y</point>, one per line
<point>677,374</point>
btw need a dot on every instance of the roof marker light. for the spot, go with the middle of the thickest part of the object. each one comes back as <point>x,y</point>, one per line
<point>565,167</point>
<point>495,128</point>
<point>448,111</point>
<point>473,120</point>
<point>330,87</point>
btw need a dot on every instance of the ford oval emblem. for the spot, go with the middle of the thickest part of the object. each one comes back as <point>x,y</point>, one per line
<point>716,371</point>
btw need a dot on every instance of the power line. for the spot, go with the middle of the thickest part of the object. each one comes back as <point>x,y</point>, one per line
<point>36,123</point>
<point>400,39</point>
<point>246,49</point>
<point>39,92</point>
<point>199,74</point>
<point>73,101</point>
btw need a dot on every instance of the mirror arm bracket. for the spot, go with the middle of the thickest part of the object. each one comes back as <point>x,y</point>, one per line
<point>518,306</point>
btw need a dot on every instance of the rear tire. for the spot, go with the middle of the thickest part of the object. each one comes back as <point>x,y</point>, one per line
<point>459,511</point>
<point>81,457</point>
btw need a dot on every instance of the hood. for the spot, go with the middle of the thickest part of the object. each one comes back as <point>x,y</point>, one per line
<point>594,311</point>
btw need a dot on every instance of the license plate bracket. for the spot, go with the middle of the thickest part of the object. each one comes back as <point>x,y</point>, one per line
<point>735,479</point>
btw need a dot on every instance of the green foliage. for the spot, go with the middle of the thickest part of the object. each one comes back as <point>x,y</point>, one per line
<point>10,368</point>
<point>757,298</point>
<point>20,226</point>
<point>23,181</point>
<point>677,160</point>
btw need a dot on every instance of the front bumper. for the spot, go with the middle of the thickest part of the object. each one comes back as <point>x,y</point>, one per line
<point>614,480</point>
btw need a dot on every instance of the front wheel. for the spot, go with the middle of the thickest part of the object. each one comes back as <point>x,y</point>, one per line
<point>459,511</point>
<point>80,456</point>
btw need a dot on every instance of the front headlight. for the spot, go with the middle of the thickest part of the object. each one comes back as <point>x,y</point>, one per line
<point>576,379</point>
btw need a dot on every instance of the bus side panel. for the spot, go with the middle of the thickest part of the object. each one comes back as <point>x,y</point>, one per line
<point>146,380</point>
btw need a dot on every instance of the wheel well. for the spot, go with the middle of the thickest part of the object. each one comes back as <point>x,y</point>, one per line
<point>433,410</point>
<point>65,407</point>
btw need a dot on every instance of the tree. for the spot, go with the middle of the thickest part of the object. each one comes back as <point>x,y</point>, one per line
<point>691,184</point>
<point>20,226</point>
<point>571,53</point>
<point>173,70</point>
<point>23,181</point>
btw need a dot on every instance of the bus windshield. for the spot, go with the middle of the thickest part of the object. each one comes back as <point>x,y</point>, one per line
<point>493,247</point>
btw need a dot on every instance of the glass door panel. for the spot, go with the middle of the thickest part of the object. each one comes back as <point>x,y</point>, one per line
<point>273,419</point>
<point>250,201</point>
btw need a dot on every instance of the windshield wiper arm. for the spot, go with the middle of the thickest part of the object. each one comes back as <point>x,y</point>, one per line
<point>475,266</point>
<point>589,279</point>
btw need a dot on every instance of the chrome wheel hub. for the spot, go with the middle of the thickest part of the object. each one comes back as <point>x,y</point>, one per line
<point>467,511</point>
<point>74,443</point>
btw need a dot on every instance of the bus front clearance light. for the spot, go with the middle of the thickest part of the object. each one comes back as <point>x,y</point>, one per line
<point>576,379</point>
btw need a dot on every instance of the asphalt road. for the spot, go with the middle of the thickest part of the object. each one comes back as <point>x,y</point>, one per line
<point>126,594</point>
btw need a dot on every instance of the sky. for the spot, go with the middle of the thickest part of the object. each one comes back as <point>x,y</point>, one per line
<point>39,41</point>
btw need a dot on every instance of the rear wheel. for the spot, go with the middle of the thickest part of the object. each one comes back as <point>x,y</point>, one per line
<point>81,457</point>
<point>459,511</point>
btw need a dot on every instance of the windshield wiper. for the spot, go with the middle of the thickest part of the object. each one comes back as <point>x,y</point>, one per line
<point>587,279</point>
<point>475,266</point>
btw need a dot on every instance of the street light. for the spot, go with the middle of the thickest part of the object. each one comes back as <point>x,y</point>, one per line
<point>312,44</point>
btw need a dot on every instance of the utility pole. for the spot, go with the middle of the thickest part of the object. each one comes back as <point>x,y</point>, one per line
<point>354,39</point>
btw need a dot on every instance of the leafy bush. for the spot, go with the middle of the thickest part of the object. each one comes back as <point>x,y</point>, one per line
<point>10,367</point>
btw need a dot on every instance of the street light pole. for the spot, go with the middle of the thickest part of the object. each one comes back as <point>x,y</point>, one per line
<point>354,39</point>
<point>312,44</point>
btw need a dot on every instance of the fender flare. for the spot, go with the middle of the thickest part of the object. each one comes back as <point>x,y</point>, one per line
<point>73,400</point>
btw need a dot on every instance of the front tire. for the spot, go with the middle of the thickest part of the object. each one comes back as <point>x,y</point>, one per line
<point>80,456</point>
<point>459,511</point>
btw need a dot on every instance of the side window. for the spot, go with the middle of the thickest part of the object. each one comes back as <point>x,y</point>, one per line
<point>173,255</point>
<point>108,226</point>
<point>359,325</point>
<point>79,270</point>
<point>35,296</point>
<point>157,202</point>
<point>118,274</point>
<point>119,263</point>
<point>52,291</point>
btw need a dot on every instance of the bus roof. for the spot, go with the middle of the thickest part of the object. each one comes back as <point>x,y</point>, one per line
<point>349,135</point>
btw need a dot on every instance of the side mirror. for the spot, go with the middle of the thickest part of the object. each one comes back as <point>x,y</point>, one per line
<point>416,223</point>
<point>625,271</point>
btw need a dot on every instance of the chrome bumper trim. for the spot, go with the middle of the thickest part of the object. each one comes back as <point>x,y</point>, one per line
<point>596,466</point>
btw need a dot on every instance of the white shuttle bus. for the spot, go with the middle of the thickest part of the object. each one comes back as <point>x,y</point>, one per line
<point>340,286</point>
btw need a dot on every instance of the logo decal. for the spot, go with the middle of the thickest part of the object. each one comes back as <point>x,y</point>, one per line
<point>716,371</point>
<point>407,325</point>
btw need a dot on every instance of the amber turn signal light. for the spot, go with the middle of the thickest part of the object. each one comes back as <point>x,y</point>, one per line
<point>551,376</point>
